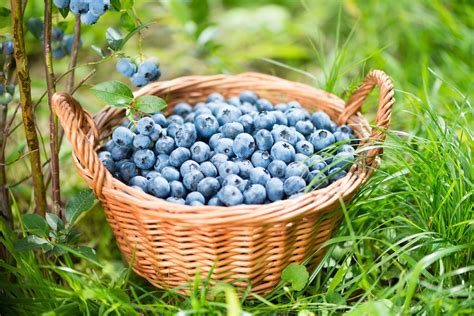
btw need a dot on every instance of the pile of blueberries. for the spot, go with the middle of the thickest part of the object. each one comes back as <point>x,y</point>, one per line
<point>89,10</point>
<point>140,75</point>
<point>243,150</point>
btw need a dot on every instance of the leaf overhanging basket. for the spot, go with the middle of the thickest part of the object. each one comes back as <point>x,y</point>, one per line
<point>245,244</point>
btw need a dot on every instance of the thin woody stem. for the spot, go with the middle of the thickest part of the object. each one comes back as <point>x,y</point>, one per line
<point>24,84</point>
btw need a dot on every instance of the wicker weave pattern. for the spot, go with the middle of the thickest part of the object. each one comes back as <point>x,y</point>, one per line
<point>246,244</point>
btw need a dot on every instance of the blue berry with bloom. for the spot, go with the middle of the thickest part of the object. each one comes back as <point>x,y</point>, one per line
<point>230,195</point>
<point>126,67</point>
<point>255,194</point>
<point>149,70</point>
<point>99,7</point>
<point>275,191</point>
<point>61,4</point>
<point>243,145</point>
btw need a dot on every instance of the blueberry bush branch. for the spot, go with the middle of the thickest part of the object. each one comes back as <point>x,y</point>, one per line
<point>28,117</point>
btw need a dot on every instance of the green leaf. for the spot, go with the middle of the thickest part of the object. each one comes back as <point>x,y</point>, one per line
<point>372,308</point>
<point>78,204</point>
<point>127,22</point>
<point>149,104</point>
<point>64,12</point>
<point>297,275</point>
<point>36,27</point>
<point>32,242</point>
<point>98,50</point>
<point>114,93</point>
<point>87,252</point>
<point>35,224</point>
<point>126,4</point>
<point>54,221</point>
<point>114,38</point>
<point>116,5</point>
<point>4,14</point>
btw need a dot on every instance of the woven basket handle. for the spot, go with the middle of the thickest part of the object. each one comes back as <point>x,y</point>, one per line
<point>384,113</point>
<point>81,131</point>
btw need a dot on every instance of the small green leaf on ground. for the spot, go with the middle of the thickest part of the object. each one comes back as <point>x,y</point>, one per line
<point>297,275</point>
<point>32,242</point>
<point>149,104</point>
<point>54,221</point>
<point>78,204</point>
<point>35,225</point>
<point>372,308</point>
<point>114,93</point>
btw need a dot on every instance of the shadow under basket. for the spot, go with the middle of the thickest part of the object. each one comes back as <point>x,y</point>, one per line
<point>245,245</point>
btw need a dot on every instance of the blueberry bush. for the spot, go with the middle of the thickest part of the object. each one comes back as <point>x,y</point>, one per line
<point>405,244</point>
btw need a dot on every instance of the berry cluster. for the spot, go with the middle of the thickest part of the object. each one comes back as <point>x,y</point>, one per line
<point>89,10</point>
<point>6,93</point>
<point>140,75</point>
<point>243,150</point>
<point>6,48</point>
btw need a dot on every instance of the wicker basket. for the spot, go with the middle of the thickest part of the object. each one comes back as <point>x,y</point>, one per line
<point>245,244</point>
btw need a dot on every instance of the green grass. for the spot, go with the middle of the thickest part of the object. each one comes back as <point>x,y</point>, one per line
<point>406,242</point>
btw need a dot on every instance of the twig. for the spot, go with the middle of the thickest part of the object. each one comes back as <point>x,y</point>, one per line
<point>89,75</point>
<point>27,113</point>
<point>74,54</point>
<point>53,120</point>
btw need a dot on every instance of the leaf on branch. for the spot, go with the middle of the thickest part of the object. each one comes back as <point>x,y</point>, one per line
<point>149,104</point>
<point>87,252</point>
<point>54,221</point>
<point>78,204</point>
<point>35,225</point>
<point>297,275</point>
<point>32,242</point>
<point>132,32</point>
<point>114,38</point>
<point>114,93</point>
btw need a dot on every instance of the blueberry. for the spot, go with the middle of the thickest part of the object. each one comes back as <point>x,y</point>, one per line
<point>304,147</point>
<point>247,123</point>
<point>214,201</point>
<point>162,161</point>
<point>346,148</point>
<point>89,18</point>
<point>296,169</point>
<point>261,158</point>
<point>231,130</point>
<point>172,129</point>
<point>304,127</point>
<point>344,129</point>
<point>109,164</point>
<point>321,120</point>
<point>177,119</point>
<point>121,152</point>
<point>186,135</point>
<point>227,168</point>
<point>259,175</point>
<point>264,120</point>
<point>294,105</point>
<point>104,155</point>
<point>215,96</point>
<point>228,114</point>
<point>316,179</point>
<point>321,139</point>
<point>315,162</point>
<point>177,189</point>
<point>179,156</point>
<point>255,194</point>
<point>342,137</point>
<point>280,118</point>
<point>277,168</point>
<point>224,146</point>
<point>244,145</point>
<point>142,142</point>
<point>69,41</point>
<point>283,151</point>
<point>336,174</point>
<point>2,88</point>
<point>230,195</point>
<point>191,179</point>
<point>293,185</point>
<point>164,145</point>
<point>208,187</point>
<point>122,136</point>
<point>284,134</point>
<point>144,158</point>
<point>342,160</point>
<point>150,174</point>
<point>200,151</point>
<point>283,107</point>
<point>140,182</point>
<point>264,105</point>
<point>248,108</point>
<point>193,197</point>
<point>248,96</point>
<point>176,200</point>
<point>300,157</point>
<point>145,126</point>
<point>139,80</point>
<point>57,34</point>
<point>295,115</point>
<point>159,187</point>
<point>219,159</point>
<point>126,67</point>
<point>275,190</point>
<point>149,70</point>
<point>189,166</point>
<point>235,101</point>
<point>136,187</point>
<point>98,7</point>
<point>202,111</point>
<point>182,109</point>
<point>208,169</point>
<point>170,174</point>
<point>264,139</point>
<point>127,171</point>
<point>109,145</point>
<point>236,181</point>
<point>160,119</point>
<point>156,132</point>
<point>213,140</point>
<point>244,168</point>
<point>78,7</point>
<point>61,3</point>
